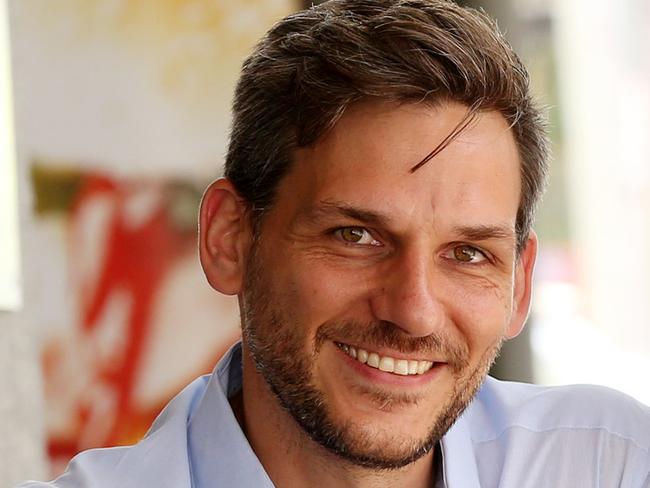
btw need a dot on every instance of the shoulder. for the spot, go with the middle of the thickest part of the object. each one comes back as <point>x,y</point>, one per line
<point>501,405</point>
<point>92,468</point>
<point>160,459</point>
<point>583,433</point>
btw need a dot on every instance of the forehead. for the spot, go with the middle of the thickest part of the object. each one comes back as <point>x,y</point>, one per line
<point>366,161</point>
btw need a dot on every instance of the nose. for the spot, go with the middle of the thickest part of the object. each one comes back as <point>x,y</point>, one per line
<point>410,295</point>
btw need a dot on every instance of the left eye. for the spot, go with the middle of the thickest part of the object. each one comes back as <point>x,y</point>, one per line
<point>467,254</point>
<point>357,235</point>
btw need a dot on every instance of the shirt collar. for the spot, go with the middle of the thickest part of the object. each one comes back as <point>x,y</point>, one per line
<point>219,453</point>
<point>458,461</point>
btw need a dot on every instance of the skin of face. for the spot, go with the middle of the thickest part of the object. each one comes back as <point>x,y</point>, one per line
<point>358,251</point>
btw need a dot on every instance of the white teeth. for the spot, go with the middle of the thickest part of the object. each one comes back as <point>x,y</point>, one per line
<point>386,363</point>
<point>362,355</point>
<point>401,367</point>
<point>373,360</point>
<point>413,367</point>
<point>424,366</point>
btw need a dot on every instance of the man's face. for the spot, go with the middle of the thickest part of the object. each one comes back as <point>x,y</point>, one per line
<point>376,299</point>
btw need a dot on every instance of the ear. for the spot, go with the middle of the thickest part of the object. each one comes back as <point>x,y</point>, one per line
<point>523,286</point>
<point>224,236</point>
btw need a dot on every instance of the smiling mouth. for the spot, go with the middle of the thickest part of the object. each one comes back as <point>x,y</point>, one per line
<point>403,367</point>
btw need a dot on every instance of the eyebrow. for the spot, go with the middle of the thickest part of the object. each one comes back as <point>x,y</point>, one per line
<point>485,232</point>
<point>330,209</point>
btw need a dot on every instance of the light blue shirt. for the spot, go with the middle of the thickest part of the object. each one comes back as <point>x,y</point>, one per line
<point>512,435</point>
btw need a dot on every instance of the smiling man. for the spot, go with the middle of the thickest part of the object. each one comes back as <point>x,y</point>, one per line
<point>375,221</point>
<point>373,299</point>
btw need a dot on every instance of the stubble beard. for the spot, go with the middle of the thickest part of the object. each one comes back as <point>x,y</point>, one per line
<point>276,345</point>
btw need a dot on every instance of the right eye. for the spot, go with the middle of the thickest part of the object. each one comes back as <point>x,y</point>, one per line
<point>357,235</point>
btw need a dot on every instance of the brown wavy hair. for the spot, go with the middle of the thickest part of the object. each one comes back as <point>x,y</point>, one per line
<point>312,65</point>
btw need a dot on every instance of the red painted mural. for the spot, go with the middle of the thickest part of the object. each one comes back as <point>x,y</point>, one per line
<point>130,244</point>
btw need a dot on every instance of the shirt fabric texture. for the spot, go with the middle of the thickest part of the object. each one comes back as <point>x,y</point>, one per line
<point>512,435</point>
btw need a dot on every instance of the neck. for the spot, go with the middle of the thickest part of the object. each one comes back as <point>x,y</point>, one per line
<point>291,458</point>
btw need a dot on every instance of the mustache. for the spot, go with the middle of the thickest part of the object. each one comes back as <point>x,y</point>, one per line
<point>384,334</point>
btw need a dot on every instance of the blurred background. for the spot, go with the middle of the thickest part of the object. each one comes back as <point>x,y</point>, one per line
<point>114,116</point>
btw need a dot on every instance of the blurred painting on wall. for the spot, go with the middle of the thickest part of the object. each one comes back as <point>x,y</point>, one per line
<point>122,111</point>
<point>144,324</point>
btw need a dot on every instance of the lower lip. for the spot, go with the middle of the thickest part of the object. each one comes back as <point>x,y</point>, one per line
<point>378,376</point>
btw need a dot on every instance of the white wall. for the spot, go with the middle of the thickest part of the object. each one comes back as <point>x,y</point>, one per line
<point>600,331</point>
<point>21,427</point>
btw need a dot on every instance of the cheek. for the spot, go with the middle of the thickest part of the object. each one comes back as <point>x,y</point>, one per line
<point>481,310</point>
<point>320,292</point>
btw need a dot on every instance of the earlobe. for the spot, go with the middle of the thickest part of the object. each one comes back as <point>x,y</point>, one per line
<point>523,286</point>
<point>224,236</point>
